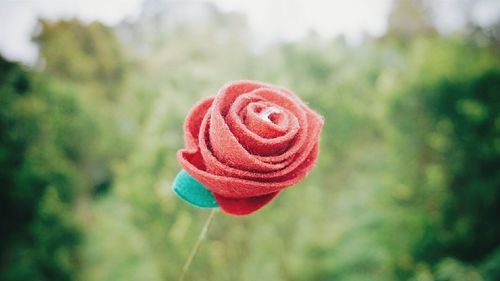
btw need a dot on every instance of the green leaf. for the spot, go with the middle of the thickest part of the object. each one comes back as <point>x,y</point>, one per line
<point>192,191</point>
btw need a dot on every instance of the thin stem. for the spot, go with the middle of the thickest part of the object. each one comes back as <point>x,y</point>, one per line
<point>196,246</point>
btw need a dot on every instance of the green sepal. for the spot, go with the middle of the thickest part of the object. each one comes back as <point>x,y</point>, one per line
<point>192,191</point>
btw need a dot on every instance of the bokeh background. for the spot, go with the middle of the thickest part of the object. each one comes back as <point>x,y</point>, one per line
<point>93,95</point>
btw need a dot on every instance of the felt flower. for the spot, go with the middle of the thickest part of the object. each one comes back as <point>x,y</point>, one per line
<point>244,146</point>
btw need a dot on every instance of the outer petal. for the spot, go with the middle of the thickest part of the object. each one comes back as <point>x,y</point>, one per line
<point>244,206</point>
<point>232,187</point>
<point>193,122</point>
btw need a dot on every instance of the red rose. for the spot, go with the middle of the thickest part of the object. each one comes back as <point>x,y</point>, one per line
<point>248,143</point>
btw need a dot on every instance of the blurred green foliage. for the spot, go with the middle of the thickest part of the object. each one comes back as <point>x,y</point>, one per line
<point>85,54</point>
<point>406,186</point>
<point>39,180</point>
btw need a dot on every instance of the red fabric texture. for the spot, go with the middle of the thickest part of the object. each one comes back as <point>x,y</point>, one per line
<point>248,143</point>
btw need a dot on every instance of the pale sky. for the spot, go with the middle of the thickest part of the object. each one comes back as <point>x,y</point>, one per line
<point>269,20</point>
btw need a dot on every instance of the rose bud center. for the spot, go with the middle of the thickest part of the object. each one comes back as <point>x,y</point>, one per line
<point>266,120</point>
<point>271,114</point>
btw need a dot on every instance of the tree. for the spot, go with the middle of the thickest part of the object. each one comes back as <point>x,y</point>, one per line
<point>409,19</point>
<point>88,54</point>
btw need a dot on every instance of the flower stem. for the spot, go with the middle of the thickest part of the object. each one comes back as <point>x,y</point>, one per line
<point>196,246</point>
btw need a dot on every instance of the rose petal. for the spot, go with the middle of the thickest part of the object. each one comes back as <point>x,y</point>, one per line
<point>220,168</point>
<point>241,188</point>
<point>244,206</point>
<point>193,121</point>
<point>228,149</point>
<point>248,137</point>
